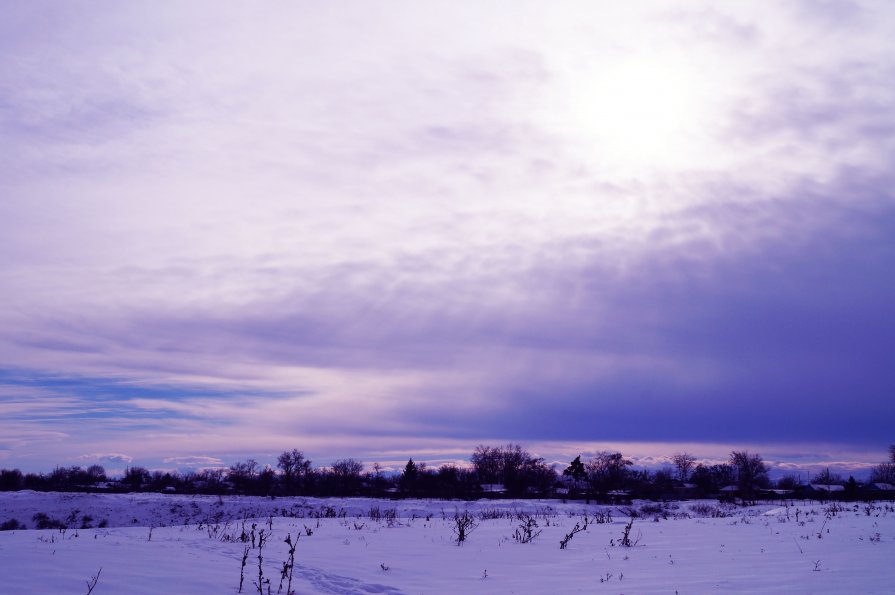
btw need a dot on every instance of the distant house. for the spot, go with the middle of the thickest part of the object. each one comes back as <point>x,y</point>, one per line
<point>820,490</point>
<point>571,487</point>
<point>881,487</point>
<point>826,487</point>
<point>493,488</point>
<point>687,490</point>
<point>776,493</point>
<point>619,495</point>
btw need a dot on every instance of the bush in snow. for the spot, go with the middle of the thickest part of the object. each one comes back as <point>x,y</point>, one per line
<point>44,522</point>
<point>527,531</point>
<point>578,528</point>
<point>464,524</point>
<point>708,510</point>
<point>626,535</point>
<point>11,525</point>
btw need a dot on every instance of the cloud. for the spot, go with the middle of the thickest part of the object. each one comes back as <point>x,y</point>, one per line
<point>833,13</point>
<point>109,456</point>
<point>194,461</point>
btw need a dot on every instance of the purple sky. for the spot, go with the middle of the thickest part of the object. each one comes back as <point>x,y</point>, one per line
<point>401,229</point>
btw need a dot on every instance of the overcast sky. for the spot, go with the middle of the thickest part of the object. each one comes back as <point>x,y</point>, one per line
<point>392,229</point>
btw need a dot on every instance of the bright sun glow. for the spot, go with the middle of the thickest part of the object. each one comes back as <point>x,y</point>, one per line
<point>637,114</point>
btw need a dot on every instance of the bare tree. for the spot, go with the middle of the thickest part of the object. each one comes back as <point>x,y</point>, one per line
<point>347,468</point>
<point>136,477</point>
<point>683,462</point>
<point>487,463</point>
<point>243,470</point>
<point>883,473</point>
<point>211,477</point>
<point>607,470</point>
<point>750,469</point>
<point>827,477</point>
<point>243,473</point>
<point>11,479</point>
<point>347,474</point>
<point>512,466</point>
<point>96,473</point>
<point>295,468</point>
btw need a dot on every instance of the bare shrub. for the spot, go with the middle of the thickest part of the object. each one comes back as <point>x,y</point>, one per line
<point>602,518</point>
<point>708,510</point>
<point>91,584</point>
<point>648,509</point>
<point>834,508</point>
<point>629,511</point>
<point>261,582</point>
<point>242,568</point>
<point>626,535</point>
<point>463,525</point>
<point>42,521</point>
<point>490,514</point>
<point>578,528</point>
<point>527,530</point>
<point>288,565</point>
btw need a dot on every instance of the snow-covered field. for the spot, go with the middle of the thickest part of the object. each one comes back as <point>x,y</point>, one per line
<point>153,543</point>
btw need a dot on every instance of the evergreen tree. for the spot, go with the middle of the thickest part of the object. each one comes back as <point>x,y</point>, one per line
<point>409,476</point>
<point>410,472</point>
<point>576,470</point>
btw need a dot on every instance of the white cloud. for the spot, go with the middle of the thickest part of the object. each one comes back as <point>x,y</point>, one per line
<point>113,457</point>
<point>194,461</point>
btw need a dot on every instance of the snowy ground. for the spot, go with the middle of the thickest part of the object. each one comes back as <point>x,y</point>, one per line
<point>156,543</point>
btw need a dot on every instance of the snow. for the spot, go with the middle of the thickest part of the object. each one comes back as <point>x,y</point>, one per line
<point>164,543</point>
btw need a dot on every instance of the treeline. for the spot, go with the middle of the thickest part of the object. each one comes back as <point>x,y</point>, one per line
<point>501,471</point>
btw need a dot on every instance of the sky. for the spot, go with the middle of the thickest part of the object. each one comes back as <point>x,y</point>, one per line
<point>390,229</point>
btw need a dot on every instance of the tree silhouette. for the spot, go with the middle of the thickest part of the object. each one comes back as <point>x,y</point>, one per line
<point>576,469</point>
<point>683,462</point>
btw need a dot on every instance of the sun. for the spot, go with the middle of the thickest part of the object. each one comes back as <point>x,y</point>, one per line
<point>637,113</point>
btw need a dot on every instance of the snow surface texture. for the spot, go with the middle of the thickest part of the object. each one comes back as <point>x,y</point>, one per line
<point>155,543</point>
